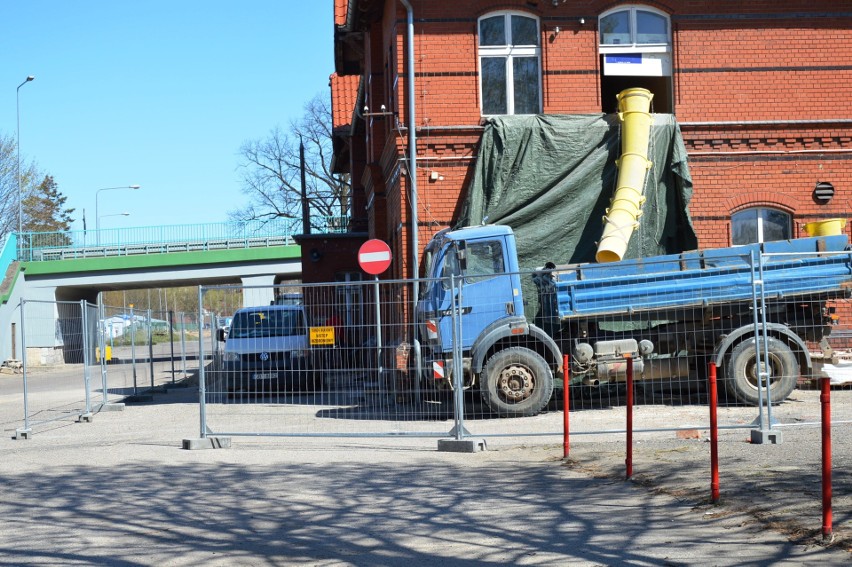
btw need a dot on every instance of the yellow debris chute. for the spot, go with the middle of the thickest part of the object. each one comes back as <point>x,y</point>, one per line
<point>623,215</point>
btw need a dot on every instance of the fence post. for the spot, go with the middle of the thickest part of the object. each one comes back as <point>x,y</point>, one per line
<point>202,390</point>
<point>24,433</point>
<point>765,376</point>
<point>149,314</point>
<point>761,352</point>
<point>133,349</point>
<point>102,346</point>
<point>825,401</point>
<point>172,342</point>
<point>458,379</point>
<point>378,331</point>
<point>629,459</point>
<point>84,326</point>
<point>714,435</point>
<point>757,354</point>
<point>183,343</point>
<point>566,406</point>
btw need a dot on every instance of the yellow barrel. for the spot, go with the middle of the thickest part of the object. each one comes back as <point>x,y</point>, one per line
<point>626,207</point>
<point>828,227</point>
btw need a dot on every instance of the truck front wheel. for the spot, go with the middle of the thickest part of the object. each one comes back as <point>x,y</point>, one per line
<point>741,376</point>
<point>516,382</point>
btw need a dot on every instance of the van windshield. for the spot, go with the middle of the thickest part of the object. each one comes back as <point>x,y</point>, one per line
<point>267,323</point>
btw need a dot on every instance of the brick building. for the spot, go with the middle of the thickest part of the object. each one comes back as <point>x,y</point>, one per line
<point>760,90</point>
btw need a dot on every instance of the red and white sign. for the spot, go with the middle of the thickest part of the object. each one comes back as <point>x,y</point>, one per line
<point>438,370</point>
<point>431,329</point>
<point>374,256</point>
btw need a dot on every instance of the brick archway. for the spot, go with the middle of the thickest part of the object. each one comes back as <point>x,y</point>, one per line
<point>786,203</point>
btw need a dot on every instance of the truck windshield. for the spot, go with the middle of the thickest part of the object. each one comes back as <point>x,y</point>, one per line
<point>267,323</point>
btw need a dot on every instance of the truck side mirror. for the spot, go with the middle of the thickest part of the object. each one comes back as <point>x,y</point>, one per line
<point>462,255</point>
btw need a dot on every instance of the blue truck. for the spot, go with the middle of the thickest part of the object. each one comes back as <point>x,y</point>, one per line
<point>671,314</point>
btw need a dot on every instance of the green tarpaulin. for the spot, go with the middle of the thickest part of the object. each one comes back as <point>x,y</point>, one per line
<point>551,178</point>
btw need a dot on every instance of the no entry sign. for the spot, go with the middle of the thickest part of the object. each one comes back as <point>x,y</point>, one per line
<point>374,256</point>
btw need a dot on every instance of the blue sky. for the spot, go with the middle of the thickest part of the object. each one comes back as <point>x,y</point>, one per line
<point>159,93</point>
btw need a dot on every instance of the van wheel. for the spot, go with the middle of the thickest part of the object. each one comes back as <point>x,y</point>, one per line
<point>516,382</point>
<point>741,379</point>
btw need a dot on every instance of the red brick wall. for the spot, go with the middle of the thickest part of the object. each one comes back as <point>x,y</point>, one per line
<point>335,254</point>
<point>761,90</point>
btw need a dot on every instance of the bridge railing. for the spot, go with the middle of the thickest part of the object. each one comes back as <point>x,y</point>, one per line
<point>7,252</point>
<point>76,244</point>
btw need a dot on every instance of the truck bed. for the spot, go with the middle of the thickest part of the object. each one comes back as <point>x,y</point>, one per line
<point>701,278</point>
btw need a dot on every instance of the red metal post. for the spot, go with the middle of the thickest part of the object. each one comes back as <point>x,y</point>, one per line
<point>629,460</point>
<point>714,436</point>
<point>825,400</point>
<point>566,406</point>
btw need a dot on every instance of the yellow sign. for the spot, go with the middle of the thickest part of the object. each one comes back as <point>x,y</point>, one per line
<point>322,336</point>
<point>108,353</point>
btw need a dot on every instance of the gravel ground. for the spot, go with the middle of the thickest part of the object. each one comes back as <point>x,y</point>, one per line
<point>120,491</point>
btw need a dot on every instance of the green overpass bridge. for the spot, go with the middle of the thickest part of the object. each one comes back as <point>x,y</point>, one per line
<point>78,265</point>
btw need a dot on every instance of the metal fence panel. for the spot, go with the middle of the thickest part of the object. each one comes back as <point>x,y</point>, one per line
<point>323,360</point>
<point>147,349</point>
<point>350,358</point>
<point>824,323</point>
<point>359,366</point>
<point>56,349</point>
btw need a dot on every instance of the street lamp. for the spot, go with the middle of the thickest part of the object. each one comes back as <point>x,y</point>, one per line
<point>18,151</point>
<point>97,218</point>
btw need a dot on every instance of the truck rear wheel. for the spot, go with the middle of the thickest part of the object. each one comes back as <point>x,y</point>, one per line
<point>516,382</point>
<point>741,377</point>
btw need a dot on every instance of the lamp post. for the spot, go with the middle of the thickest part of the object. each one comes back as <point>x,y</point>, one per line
<point>97,218</point>
<point>18,152</point>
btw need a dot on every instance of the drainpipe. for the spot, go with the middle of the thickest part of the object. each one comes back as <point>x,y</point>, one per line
<point>412,172</point>
<point>412,146</point>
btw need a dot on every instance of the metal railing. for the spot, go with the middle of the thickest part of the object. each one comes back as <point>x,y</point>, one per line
<point>76,244</point>
<point>7,256</point>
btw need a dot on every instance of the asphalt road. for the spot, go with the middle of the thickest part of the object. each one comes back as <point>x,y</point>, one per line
<point>121,491</point>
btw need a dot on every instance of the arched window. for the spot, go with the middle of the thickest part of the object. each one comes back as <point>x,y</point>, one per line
<point>509,64</point>
<point>760,224</point>
<point>634,26</point>
<point>635,51</point>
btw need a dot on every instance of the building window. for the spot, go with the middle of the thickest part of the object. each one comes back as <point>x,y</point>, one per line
<point>760,225</point>
<point>509,64</point>
<point>634,26</point>
<point>635,51</point>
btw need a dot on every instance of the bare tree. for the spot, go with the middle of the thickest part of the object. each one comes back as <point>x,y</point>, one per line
<point>9,185</point>
<point>271,171</point>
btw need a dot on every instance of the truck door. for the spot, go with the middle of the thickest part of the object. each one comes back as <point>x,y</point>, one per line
<point>485,288</point>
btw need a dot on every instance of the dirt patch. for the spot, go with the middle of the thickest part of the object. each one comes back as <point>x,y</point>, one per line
<point>779,486</point>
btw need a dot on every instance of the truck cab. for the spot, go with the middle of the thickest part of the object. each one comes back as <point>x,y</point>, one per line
<point>473,281</point>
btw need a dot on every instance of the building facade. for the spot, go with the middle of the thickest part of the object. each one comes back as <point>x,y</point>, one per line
<point>759,90</point>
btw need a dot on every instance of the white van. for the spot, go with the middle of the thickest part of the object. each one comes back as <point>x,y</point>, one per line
<point>267,350</point>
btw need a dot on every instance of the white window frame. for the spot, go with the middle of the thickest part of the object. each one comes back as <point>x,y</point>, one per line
<point>634,47</point>
<point>509,51</point>
<point>760,235</point>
